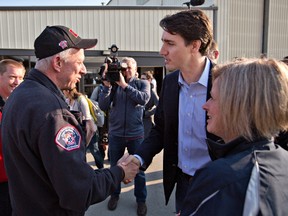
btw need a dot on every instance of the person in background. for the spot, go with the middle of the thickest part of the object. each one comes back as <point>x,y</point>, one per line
<point>102,138</point>
<point>137,75</point>
<point>44,145</point>
<point>154,82</point>
<point>249,173</point>
<point>282,138</point>
<point>77,102</point>
<point>125,102</point>
<point>179,118</point>
<point>11,75</point>
<point>213,53</point>
<point>150,107</point>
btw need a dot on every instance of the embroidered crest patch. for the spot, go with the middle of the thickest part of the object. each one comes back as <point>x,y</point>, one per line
<point>63,44</point>
<point>68,138</point>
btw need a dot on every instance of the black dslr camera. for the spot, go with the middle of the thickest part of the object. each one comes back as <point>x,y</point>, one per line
<point>114,67</point>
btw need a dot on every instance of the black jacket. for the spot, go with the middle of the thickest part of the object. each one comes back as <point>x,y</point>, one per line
<point>221,187</point>
<point>164,135</point>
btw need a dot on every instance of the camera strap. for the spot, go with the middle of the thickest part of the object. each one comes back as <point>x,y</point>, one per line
<point>112,94</point>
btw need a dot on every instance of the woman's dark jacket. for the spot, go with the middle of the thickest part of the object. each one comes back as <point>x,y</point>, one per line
<point>221,187</point>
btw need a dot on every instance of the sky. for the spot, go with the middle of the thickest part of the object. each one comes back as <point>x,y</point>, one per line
<point>52,2</point>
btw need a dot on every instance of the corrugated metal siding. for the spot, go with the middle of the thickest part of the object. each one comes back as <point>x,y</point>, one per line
<point>239,28</point>
<point>278,29</point>
<point>207,3</point>
<point>131,30</point>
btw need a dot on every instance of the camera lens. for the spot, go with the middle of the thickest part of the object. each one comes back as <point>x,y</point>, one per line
<point>114,48</point>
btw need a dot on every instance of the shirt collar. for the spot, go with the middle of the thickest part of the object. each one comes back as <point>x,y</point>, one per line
<point>203,80</point>
<point>219,149</point>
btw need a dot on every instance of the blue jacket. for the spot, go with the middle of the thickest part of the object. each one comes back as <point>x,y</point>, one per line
<point>126,107</point>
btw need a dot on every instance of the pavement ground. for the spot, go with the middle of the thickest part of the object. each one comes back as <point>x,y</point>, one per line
<point>127,205</point>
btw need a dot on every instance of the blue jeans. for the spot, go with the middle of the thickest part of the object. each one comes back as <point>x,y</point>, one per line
<point>95,151</point>
<point>117,146</point>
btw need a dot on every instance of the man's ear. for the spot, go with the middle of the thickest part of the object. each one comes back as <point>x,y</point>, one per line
<point>56,63</point>
<point>195,45</point>
<point>216,54</point>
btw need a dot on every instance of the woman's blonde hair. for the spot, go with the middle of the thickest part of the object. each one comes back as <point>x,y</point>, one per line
<point>253,97</point>
<point>73,94</point>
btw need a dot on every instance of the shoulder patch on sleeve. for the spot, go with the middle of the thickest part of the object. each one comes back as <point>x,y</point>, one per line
<point>68,138</point>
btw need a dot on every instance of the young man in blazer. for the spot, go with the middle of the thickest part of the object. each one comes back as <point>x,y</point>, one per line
<point>180,121</point>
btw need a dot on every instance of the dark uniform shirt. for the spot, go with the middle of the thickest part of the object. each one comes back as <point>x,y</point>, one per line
<point>44,153</point>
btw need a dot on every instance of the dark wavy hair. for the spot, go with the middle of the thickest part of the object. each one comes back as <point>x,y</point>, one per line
<point>191,25</point>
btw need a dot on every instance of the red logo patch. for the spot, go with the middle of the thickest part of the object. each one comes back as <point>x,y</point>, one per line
<point>68,138</point>
<point>73,33</point>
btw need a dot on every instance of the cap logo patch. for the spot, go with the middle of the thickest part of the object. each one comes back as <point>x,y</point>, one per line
<point>68,138</point>
<point>63,44</point>
<point>73,33</point>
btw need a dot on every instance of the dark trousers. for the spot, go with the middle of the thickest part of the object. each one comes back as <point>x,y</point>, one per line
<point>183,181</point>
<point>5,205</point>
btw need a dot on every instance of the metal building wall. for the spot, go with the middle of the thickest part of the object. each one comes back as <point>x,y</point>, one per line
<point>207,3</point>
<point>131,29</point>
<point>239,28</point>
<point>278,29</point>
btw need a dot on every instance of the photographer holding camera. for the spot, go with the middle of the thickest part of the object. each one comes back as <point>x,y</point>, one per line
<point>126,97</point>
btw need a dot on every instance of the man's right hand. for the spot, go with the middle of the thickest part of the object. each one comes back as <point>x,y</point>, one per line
<point>126,159</point>
<point>130,165</point>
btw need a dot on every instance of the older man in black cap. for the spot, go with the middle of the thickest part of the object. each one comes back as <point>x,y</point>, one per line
<point>44,148</point>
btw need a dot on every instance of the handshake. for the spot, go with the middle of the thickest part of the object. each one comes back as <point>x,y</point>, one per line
<point>130,166</point>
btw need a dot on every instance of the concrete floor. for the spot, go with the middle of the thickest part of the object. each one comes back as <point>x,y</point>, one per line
<point>127,205</point>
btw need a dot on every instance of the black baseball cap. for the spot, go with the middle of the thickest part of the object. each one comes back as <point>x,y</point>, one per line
<point>55,39</point>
